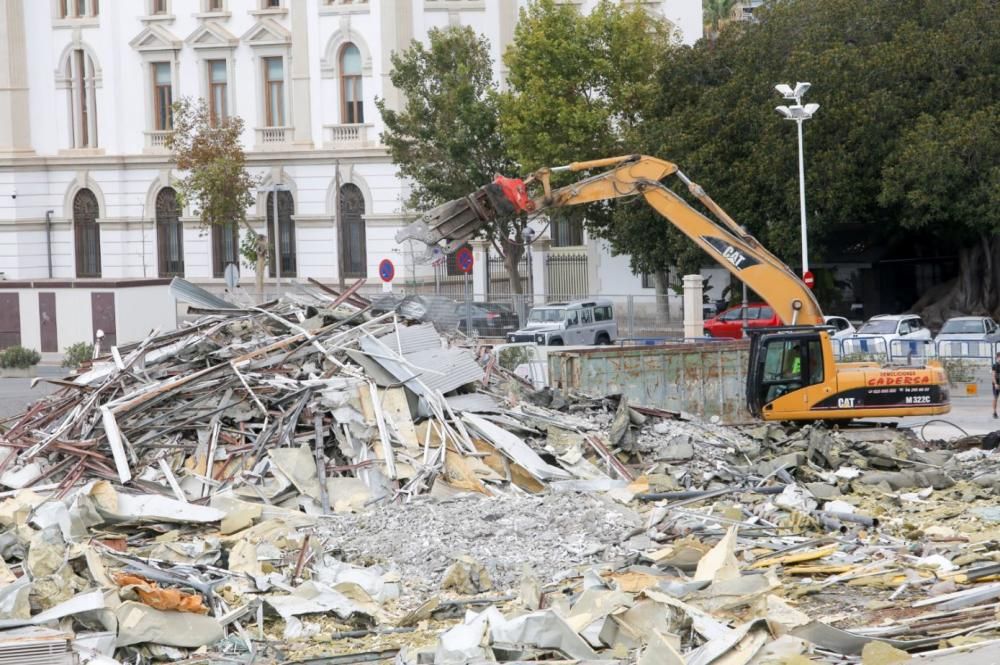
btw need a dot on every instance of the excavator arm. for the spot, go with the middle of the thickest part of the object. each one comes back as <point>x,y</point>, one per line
<point>736,250</point>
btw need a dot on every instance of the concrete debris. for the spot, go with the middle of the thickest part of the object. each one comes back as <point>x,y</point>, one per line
<point>318,480</point>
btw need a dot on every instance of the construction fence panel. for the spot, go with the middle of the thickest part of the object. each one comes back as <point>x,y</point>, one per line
<point>912,351</point>
<point>864,348</point>
<point>953,348</point>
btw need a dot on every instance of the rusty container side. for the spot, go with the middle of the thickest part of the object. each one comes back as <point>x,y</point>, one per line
<point>706,379</point>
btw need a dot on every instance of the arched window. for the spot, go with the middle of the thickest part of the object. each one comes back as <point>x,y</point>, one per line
<point>286,233</point>
<point>86,234</point>
<point>352,109</point>
<point>169,234</point>
<point>353,252</point>
<point>80,73</point>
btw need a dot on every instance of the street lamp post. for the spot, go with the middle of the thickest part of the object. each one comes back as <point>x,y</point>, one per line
<point>799,114</point>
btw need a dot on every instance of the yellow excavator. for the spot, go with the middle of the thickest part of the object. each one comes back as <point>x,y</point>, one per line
<point>793,374</point>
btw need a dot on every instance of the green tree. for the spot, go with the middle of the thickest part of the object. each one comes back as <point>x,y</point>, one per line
<point>889,157</point>
<point>445,138</point>
<point>944,176</point>
<point>215,180</point>
<point>716,13</point>
<point>580,87</point>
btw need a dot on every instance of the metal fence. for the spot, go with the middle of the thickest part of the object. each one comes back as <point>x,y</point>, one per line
<point>499,281</point>
<point>566,274</point>
<point>638,317</point>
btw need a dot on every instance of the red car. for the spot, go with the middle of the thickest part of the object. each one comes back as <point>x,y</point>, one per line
<point>729,323</point>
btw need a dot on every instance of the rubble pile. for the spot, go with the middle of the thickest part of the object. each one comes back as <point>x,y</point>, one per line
<point>314,481</point>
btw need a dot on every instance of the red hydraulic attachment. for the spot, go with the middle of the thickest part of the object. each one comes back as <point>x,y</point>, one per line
<point>516,192</point>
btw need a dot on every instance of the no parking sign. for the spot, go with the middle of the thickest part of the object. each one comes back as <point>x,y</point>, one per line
<point>386,270</point>
<point>464,260</point>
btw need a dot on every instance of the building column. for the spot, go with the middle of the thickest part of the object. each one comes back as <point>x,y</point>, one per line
<point>694,286</point>
<point>539,275</point>
<point>396,32</point>
<point>480,273</point>
<point>301,106</point>
<point>508,19</point>
<point>15,121</point>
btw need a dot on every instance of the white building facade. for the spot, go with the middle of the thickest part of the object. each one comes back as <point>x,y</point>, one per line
<point>85,180</point>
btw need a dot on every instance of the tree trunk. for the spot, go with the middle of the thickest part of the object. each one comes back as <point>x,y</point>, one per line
<point>976,290</point>
<point>661,281</point>
<point>512,253</point>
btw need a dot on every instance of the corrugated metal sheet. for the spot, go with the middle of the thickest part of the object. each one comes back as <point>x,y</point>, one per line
<point>444,369</point>
<point>438,369</point>
<point>36,646</point>
<point>703,379</point>
<point>187,292</point>
<point>473,403</point>
<point>412,338</point>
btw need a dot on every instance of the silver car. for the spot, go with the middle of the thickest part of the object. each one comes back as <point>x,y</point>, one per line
<point>969,329</point>
<point>579,322</point>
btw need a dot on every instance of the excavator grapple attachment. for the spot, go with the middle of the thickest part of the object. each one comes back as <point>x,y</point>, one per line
<point>456,222</point>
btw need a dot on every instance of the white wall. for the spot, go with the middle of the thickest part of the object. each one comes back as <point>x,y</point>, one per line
<point>125,175</point>
<point>138,310</point>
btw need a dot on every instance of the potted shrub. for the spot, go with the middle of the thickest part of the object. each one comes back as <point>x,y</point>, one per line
<point>77,354</point>
<point>18,362</point>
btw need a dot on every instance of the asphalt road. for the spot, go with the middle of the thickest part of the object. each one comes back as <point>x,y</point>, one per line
<point>17,394</point>
<point>974,415</point>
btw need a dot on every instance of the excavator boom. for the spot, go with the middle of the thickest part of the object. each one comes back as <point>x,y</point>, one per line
<point>736,250</point>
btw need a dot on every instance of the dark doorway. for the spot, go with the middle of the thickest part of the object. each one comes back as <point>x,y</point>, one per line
<point>102,309</point>
<point>47,322</point>
<point>169,234</point>
<point>86,234</point>
<point>353,248</point>
<point>286,233</point>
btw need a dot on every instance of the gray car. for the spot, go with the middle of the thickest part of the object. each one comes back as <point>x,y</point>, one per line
<point>969,329</point>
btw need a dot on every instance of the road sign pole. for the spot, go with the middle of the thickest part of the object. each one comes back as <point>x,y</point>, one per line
<point>468,307</point>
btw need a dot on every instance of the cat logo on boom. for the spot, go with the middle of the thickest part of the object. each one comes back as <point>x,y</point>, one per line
<point>845,403</point>
<point>734,256</point>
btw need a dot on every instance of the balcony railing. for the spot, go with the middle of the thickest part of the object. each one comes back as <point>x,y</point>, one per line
<point>348,136</point>
<point>157,139</point>
<point>269,136</point>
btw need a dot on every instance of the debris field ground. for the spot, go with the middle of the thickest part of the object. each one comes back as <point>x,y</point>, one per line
<point>313,481</point>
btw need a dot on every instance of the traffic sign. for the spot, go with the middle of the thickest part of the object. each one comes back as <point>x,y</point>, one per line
<point>464,260</point>
<point>438,257</point>
<point>386,270</point>
<point>808,279</point>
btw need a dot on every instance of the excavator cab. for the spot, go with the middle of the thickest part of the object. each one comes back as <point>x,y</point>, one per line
<point>784,361</point>
<point>794,376</point>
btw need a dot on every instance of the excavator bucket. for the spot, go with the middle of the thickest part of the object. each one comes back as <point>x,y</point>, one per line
<point>456,222</point>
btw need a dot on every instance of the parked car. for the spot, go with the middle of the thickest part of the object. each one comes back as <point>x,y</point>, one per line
<point>564,323</point>
<point>969,328</point>
<point>489,319</point>
<point>891,327</point>
<point>438,310</point>
<point>841,326</point>
<point>730,322</point>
